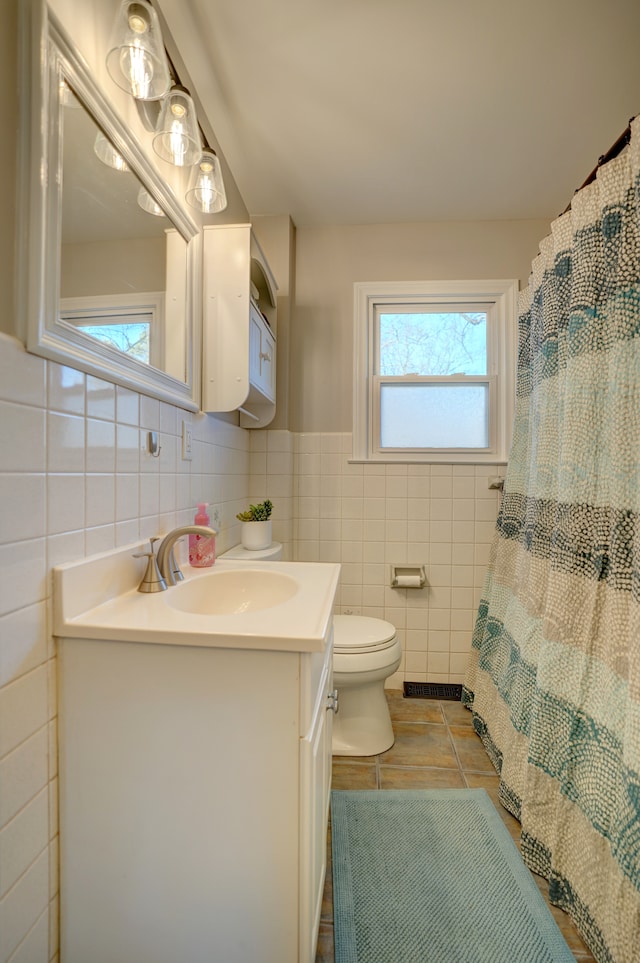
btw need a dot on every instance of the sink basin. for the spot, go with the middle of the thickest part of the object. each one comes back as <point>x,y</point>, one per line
<point>231,593</point>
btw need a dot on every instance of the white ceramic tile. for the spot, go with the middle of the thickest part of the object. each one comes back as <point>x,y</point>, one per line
<point>149,413</point>
<point>486,510</point>
<point>22,438</point>
<point>279,463</point>
<point>22,840</point>
<point>100,500</point>
<point>461,641</point>
<point>35,946</point>
<point>149,495</point>
<point>23,773</point>
<point>352,486</point>
<point>439,619</point>
<point>22,375</point>
<point>99,539</point>
<point>416,640</point>
<point>65,503</point>
<point>439,530</point>
<point>463,486</point>
<point>23,641</point>
<point>415,662</point>
<point>101,446</point>
<point>101,399</point>
<point>22,574</point>
<point>441,509</point>
<point>128,448</point>
<point>352,508</point>
<point>330,442</point>
<point>66,547</point>
<point>22,907</point>
<point>279,440</point>
<point>458,662</point>
<point>127,406</point>
<point>22,506</point>
<point>396,508</point>
<point>463,509</point>
<point>331,464</point>
<point>438,662</point>
<point>65,442</point>
<point>65,388</point>
<point>23,708</point>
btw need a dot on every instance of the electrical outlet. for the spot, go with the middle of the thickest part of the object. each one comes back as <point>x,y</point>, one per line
<point>187,442</point>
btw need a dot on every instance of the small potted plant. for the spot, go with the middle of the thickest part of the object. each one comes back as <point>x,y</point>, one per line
<point>256,527</point>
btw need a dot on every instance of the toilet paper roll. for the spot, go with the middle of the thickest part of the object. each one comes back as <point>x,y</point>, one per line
<point>408,581</point>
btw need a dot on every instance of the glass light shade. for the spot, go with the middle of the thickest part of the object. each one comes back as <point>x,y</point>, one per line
<point>107,153</point>
<point>177,137</point>
<point>149,204</point>
<point>136,60</point>
<point>206,188</point>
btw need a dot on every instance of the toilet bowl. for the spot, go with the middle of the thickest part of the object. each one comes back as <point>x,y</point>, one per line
<point>366,651</point>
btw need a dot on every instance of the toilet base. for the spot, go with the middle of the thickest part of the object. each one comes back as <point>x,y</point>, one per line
<point>362,725</point>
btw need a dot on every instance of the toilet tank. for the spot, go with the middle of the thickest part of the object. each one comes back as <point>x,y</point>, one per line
<point>241,554</point>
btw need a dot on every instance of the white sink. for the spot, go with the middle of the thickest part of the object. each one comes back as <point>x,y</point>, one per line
<point>285,606</point>
<point>225,593</point>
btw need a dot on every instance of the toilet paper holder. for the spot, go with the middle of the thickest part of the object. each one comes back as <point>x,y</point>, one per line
<point>405,575</point>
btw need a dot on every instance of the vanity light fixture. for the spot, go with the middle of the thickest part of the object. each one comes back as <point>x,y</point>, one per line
<point>149,204</point>
<point>107,153</point>
<point>206,191</point>
<point>177,137</point>
<point>136,60</point>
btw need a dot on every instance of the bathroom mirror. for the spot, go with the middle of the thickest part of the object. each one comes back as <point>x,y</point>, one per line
<point>110,258</point>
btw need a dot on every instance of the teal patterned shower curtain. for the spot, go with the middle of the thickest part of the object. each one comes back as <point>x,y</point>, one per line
<point>554,671</point>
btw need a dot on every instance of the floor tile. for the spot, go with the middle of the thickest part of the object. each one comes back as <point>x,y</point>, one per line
<point>456,714</point>
<point>348,775</point>
<point>420,744</point>
<point>470,750</point>
<point>393,777</point>
<point>413,710</point>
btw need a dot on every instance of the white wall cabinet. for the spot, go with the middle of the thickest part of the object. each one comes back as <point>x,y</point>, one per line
<point>194,791</point>
<point>240,326</point>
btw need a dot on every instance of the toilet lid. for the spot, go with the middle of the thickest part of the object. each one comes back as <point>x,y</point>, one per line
<point>356,633</point>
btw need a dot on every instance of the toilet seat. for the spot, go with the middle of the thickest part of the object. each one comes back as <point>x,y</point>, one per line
<point>353,634</point>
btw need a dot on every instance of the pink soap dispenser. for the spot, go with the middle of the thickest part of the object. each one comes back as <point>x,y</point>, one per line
<point>202,548</point>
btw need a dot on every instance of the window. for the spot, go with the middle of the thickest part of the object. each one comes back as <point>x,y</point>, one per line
<point>434,371</point>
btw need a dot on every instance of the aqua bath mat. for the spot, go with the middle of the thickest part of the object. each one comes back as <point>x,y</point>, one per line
<point>433,875</point>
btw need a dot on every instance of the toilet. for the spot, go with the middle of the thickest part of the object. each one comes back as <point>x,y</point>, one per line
<point>366,651</point>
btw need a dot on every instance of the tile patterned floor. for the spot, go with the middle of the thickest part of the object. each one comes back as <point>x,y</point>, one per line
<point>435,748</point>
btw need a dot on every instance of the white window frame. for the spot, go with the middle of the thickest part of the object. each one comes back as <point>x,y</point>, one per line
<point>500,299</point>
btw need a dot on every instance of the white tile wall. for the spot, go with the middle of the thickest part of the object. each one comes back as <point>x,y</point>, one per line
<point>369,516</point>
<point>75,478</point>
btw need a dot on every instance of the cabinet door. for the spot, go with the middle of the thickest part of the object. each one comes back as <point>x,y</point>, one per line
<point>262,357</point>
<point>315,787</point>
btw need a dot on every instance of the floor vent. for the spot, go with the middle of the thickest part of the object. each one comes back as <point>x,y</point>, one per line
<point>432,690</point>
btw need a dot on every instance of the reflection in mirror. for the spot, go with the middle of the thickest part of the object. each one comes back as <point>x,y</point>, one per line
<point>114,255</point>
<point>110,259</point>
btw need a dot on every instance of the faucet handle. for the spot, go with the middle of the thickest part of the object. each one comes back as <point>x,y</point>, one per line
<point>152,580</point>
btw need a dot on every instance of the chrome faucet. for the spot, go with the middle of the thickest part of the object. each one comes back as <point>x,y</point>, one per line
<point>169,568</point>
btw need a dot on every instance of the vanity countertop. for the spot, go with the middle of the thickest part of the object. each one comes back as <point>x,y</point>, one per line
<point>97,598</point>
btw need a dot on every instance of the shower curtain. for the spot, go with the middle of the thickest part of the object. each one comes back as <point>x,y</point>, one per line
<point>554,672</point>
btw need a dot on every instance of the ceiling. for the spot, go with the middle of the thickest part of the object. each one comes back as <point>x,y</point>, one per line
<point>379,111</point>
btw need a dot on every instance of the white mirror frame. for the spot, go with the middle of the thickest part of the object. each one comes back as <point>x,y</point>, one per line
<point>40,215</point>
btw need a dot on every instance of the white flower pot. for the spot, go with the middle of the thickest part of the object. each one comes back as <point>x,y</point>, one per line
<point>256,535</point>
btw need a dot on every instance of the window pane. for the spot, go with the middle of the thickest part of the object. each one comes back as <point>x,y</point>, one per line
<point>131,339</point>
<point>433,343</point>
<point>434,416</point>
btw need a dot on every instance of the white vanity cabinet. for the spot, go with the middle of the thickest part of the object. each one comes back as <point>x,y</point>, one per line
<point>194,792</point>
<point>240,325</point>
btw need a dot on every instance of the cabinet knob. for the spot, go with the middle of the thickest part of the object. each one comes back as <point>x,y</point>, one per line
<point>265,356</point>
<point>332,701</point>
